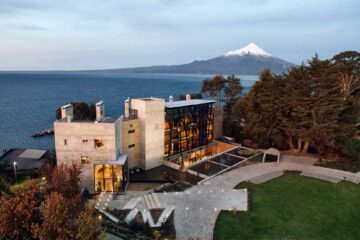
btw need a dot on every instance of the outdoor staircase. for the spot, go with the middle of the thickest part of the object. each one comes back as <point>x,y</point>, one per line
<point>152,201</point>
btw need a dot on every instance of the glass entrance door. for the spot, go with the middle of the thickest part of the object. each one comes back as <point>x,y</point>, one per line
<point>109,178</point>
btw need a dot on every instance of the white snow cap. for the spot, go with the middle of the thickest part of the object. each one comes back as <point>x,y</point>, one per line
<point>251,48</point>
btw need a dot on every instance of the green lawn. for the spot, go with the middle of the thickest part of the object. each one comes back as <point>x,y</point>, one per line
<point>295,207</point>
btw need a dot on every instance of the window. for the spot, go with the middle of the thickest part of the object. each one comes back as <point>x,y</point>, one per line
<point>131,131</point>
<point>99,143</point>
<point>131,145</point>
<point>85,140</point>
<point>65,142</point>
<point>85,159</point>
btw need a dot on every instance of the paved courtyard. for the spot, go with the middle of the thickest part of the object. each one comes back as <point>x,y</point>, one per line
<point>196,209</point>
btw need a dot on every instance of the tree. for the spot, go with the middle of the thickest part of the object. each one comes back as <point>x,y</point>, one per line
<point>88,226</point>
<point>65,179</point>
<point>82,111</point>
<point>4,186</point>
<point>59,216</point>
<point>51,209</point>
<point>233,89</point>
<point>218,84</point>
<point>347,65</point>
<point>327,131</point>
<point>19,211</point>
<point>261,109</point>
<point>297,107</point>
<point>207,87</point>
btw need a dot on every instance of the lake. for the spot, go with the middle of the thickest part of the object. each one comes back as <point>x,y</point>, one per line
<point>28,101</point>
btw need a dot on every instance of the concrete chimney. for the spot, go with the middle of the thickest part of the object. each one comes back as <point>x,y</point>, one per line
<point>171,98</point>
<point>188,97</point>
<point>67,112</point>
<point>127,107</point>
<point>100,111</point>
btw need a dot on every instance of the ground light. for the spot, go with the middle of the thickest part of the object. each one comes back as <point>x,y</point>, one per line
<point>15,172</point>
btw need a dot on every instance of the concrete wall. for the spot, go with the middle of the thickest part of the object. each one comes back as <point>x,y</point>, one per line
<point>218,122</point>
<point>131,135</point>
<point>151,117</point>
<point>75,132</point>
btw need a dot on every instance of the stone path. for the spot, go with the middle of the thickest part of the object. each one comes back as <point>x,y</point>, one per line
<point>298,159</point>
<point>266,177</point>
<point>321,176</point>
<point>196,209</point>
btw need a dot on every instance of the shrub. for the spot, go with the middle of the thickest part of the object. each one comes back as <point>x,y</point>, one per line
<point>4,186</point>
<point>352,149</point>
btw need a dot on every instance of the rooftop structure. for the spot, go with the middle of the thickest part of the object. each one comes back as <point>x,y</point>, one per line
<point>23,159</point>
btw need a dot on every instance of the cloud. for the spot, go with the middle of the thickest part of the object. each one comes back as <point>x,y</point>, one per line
<point>147,32</point>
<point>24,26</point>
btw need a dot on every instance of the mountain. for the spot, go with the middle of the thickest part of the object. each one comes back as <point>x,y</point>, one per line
<point>249,60</point>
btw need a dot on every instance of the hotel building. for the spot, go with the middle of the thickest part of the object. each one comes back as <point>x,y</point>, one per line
<point>151,133</point>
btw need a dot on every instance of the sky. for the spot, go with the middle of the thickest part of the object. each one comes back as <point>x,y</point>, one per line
<point>89,34</point>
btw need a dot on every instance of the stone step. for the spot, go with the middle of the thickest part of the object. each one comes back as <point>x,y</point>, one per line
<point>152,201</point>
<point>147,201</point>
<point>266,177</point>
<point>321,176</point>
<point>156,200</point>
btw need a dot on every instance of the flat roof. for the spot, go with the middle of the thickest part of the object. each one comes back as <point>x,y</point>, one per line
<point>26,159</point>
<point>32,153</point>
<point>185,103</point>
<point>121,160</point>
<point>105,120</point>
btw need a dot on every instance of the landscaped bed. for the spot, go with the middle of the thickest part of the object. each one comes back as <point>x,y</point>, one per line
<point>137,229</point>
<point>294,207</point>
<point>345,165</point>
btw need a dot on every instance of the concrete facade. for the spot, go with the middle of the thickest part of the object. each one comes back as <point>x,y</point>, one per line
<point>75,141</point>
<point>150,112</point>
<point>131,141</point>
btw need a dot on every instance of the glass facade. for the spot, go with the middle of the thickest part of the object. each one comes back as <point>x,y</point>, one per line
<point>110,177</point>
<point>188,128</point>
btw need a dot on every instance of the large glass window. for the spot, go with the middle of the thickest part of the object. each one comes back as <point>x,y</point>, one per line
<point>110,178</point>
<point>187,128</point>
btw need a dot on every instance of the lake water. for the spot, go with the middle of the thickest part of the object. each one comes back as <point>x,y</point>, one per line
<point>28,101</point>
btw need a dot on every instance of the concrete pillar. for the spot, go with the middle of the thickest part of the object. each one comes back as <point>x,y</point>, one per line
<point>67,112</point>
<point>100,111</point>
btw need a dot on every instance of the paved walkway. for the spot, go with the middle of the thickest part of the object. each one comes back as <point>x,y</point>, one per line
<point>298,159</point>
<point>196,210</point>
<point>203,228</point>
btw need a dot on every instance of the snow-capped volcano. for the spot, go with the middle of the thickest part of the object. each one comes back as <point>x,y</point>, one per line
<point>251,49</point>
<point>249,60</point>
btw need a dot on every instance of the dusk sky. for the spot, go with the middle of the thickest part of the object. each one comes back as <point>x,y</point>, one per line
<point>84,34</point>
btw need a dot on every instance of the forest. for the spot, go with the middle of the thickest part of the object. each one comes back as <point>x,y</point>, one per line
<point>314,107</point>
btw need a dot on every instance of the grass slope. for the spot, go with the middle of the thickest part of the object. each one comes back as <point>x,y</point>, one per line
<point>295,207</point>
